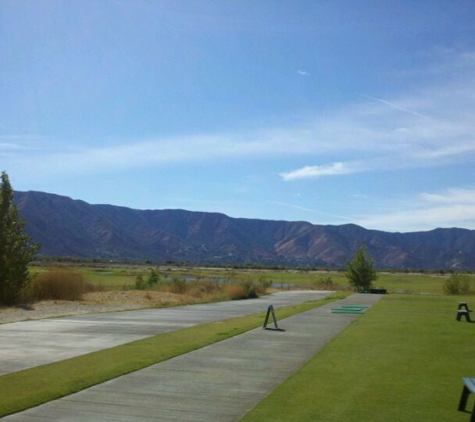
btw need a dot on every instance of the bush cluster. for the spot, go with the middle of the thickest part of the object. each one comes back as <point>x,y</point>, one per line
<point>241,290</point>
<point>58,284</point>
<point>231,288</point>
<point>459,284</point>
<point>246,289</point>
<point>178,286</point>
<point>152,279</point>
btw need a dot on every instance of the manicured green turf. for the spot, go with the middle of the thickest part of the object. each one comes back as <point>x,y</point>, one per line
<point>24,389</point>
<point>111,278</point>
<point>411,283</point>
<point>393,282</point>
<point>401,361</point>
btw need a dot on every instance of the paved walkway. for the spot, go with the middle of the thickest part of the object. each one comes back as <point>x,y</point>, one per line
<point>220,382</point>
<point>32,343</point>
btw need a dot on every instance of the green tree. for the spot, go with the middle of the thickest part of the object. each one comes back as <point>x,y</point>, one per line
<point>139,282</point>
<point>153,278</point>
<point>16,247</point>
<point>360,271</point>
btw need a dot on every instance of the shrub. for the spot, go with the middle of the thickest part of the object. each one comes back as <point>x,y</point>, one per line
<point>235,291</point>
<point>458,284</point>
<point>244,289</point>
<point>209,286</point>
<point>251,289</point>
<point>177,286</point>
<point>263,284</point>
<point>326,280</point>
<point>326,283</point>
<point>139,282</point>
<point>465,285</point>
<point>153,278</point>
<point>60,284</point>
<point>202,289</point>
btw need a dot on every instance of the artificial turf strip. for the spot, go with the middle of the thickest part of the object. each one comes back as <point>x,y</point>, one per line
<point>347,311</point>
<point>402,361</point>
<point>31,387</point>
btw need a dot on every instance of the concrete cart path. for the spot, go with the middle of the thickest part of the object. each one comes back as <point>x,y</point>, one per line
<point>220,382</point>
<point>32,343</point>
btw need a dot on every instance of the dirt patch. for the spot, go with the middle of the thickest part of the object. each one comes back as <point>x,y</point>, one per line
<point>94,303</point>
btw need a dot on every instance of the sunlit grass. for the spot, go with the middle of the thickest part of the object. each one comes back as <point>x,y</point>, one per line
<point>393,282</point>
<point>120,277</point>
<point>402,361</point>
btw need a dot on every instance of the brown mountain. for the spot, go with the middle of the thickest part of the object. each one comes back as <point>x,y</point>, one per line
<point>72,228</point>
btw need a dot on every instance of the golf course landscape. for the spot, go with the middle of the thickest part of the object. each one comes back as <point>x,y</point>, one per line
<point>403,359</point>
<point>223,211</point>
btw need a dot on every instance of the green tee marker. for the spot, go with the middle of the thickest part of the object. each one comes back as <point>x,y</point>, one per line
<point>347,311</point>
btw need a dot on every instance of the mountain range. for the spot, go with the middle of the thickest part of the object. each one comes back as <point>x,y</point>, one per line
<point>72,228</point>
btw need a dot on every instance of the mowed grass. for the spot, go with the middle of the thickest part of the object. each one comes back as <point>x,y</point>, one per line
<point>24,389</point>
<point>401,361</point>
<point>111,278</point>
<point>393,282</point>
<point>411,283</point>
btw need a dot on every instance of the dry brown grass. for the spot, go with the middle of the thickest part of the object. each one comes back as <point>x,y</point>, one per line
<point>241,290</point>
<point>65,291</point>
<point>95,302</point>
<point>59,284</point>
<point>147,298</point>
<point>235,291</point>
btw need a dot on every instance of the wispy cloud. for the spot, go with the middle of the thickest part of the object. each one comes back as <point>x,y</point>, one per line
<point>422,219</point>
<point>313,172</point>
<point>160,152</point>
<point>10,146</point>
<point>450,208</point>
<point>303,73</point>
<point>431,126</point>
<point>399,107</point>
<point>298,207</point>
<point>450,196</point>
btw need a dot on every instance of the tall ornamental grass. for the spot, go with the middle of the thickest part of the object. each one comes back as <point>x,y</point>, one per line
<point>59,284</point>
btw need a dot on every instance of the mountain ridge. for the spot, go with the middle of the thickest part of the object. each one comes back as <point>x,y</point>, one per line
<point>73,228</point>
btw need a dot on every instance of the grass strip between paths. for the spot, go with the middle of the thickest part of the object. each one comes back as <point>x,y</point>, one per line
<point>31,387</point>
<point>402,361</point>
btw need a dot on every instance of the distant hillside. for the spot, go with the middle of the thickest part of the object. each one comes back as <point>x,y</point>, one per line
<point>72,228</point>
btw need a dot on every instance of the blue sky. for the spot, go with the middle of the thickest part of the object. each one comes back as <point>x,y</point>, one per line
<point>332,112</point>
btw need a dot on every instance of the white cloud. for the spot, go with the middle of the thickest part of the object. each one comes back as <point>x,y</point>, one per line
<point>298,207</point>
<point>453,207</point>
<point>432,126</point>
<point>143,154</point>
<point>399,107</point>
<point>422,219</point>
<point>447,151</point>
<point>451,196</point>
<point>313,172</point>
<point>429,127</point>
<point>303,72</point>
